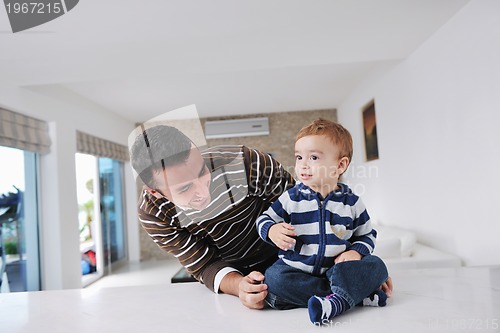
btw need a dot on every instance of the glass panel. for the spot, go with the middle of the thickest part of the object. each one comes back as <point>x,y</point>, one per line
<point>112,216</point>
<point>88,217</point>
<point>101,215</point>
<point>19,250</point>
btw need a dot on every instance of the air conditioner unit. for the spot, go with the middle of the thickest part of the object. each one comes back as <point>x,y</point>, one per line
<point>237,127</point>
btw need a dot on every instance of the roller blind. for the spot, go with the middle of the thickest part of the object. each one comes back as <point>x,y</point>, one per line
<point>89,144</point>
<point>23,132</point>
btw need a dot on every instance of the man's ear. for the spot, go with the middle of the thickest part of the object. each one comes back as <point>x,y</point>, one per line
<point>342,165</point>
<point>155,193</point>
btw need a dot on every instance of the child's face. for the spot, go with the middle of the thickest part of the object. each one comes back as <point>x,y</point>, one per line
<point>317,163</point>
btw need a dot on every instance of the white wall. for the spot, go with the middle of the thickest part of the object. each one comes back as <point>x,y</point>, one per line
<point>60,254</point>
<point>438,120</point>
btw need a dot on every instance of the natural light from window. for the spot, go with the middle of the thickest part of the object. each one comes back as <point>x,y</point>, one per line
<point>13,171</point>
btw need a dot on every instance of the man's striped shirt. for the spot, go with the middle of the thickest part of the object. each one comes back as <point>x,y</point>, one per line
<point>244,183</point>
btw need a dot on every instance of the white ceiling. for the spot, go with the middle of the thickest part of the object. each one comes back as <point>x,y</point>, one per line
<point>143,58</point>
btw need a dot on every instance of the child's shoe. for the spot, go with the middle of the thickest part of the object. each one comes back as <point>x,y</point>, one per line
<point>323,309</point>
<point>377,298</point>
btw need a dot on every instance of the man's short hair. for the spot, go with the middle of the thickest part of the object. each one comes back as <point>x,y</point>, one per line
<point>155,149</point>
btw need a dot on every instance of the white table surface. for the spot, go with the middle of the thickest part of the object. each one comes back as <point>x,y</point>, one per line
<point>425,300</point>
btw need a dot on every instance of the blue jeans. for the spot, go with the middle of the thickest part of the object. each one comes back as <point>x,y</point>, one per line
<point>289,287</point>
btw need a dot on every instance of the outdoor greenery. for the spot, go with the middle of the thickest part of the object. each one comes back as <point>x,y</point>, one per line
<point>10,247</point>
<point>88,209</point>
<point>10,201</point>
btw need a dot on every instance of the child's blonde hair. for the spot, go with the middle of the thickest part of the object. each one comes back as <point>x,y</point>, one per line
<point>334,131</point>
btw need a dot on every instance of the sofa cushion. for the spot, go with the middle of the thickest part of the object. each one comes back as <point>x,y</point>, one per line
<point>388,248</point>
<point>393,242</point>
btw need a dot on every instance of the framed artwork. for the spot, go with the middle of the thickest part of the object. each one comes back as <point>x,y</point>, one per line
<point>370,131</point>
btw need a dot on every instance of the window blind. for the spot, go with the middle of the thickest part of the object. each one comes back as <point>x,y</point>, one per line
<point>23,132</point>
<point>89,144</point>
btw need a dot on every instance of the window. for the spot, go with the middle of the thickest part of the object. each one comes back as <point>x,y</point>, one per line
<point>101,215</point>
<point>19,247</point>
<point>112,210</point>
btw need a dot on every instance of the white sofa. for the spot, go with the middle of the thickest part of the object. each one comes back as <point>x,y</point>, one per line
<point>400,250</point>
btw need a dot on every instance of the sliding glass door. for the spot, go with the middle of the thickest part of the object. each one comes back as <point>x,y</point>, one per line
<point>89,217</point>
<point>19,246</point>
<point>112,211</point>
<point>101,215</point>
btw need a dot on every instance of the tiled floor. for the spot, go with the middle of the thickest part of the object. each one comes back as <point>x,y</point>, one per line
<point>137,274</point>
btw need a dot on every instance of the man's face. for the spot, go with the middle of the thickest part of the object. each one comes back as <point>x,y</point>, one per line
<point>187,184</point>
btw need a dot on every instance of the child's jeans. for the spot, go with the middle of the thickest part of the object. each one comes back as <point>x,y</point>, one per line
<point>289,287</point>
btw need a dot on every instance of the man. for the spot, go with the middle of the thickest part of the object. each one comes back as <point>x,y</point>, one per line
<point>202,206</point>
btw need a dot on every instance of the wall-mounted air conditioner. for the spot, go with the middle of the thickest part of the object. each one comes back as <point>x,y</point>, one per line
<point>237,127</point>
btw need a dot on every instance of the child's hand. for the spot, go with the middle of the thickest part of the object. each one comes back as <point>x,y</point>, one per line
<point>348,256</point>
<point>281,234</point>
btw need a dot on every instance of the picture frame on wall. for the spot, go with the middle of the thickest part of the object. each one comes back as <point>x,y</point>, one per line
<point>370,131</point>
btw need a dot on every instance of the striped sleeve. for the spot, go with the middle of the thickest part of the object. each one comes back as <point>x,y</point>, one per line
<point>266,177</point>
<point>363,239</point>
<point>192,250</point>
<point>275,214</point>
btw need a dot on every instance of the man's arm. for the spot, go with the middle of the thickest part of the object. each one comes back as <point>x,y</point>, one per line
<point>197,256</point>
<point>192,251</point>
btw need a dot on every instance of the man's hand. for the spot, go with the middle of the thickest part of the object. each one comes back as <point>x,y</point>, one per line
<point>281,234</point>
<point>252,291</point>
<point>347,256</point>
<point>249,289</point>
